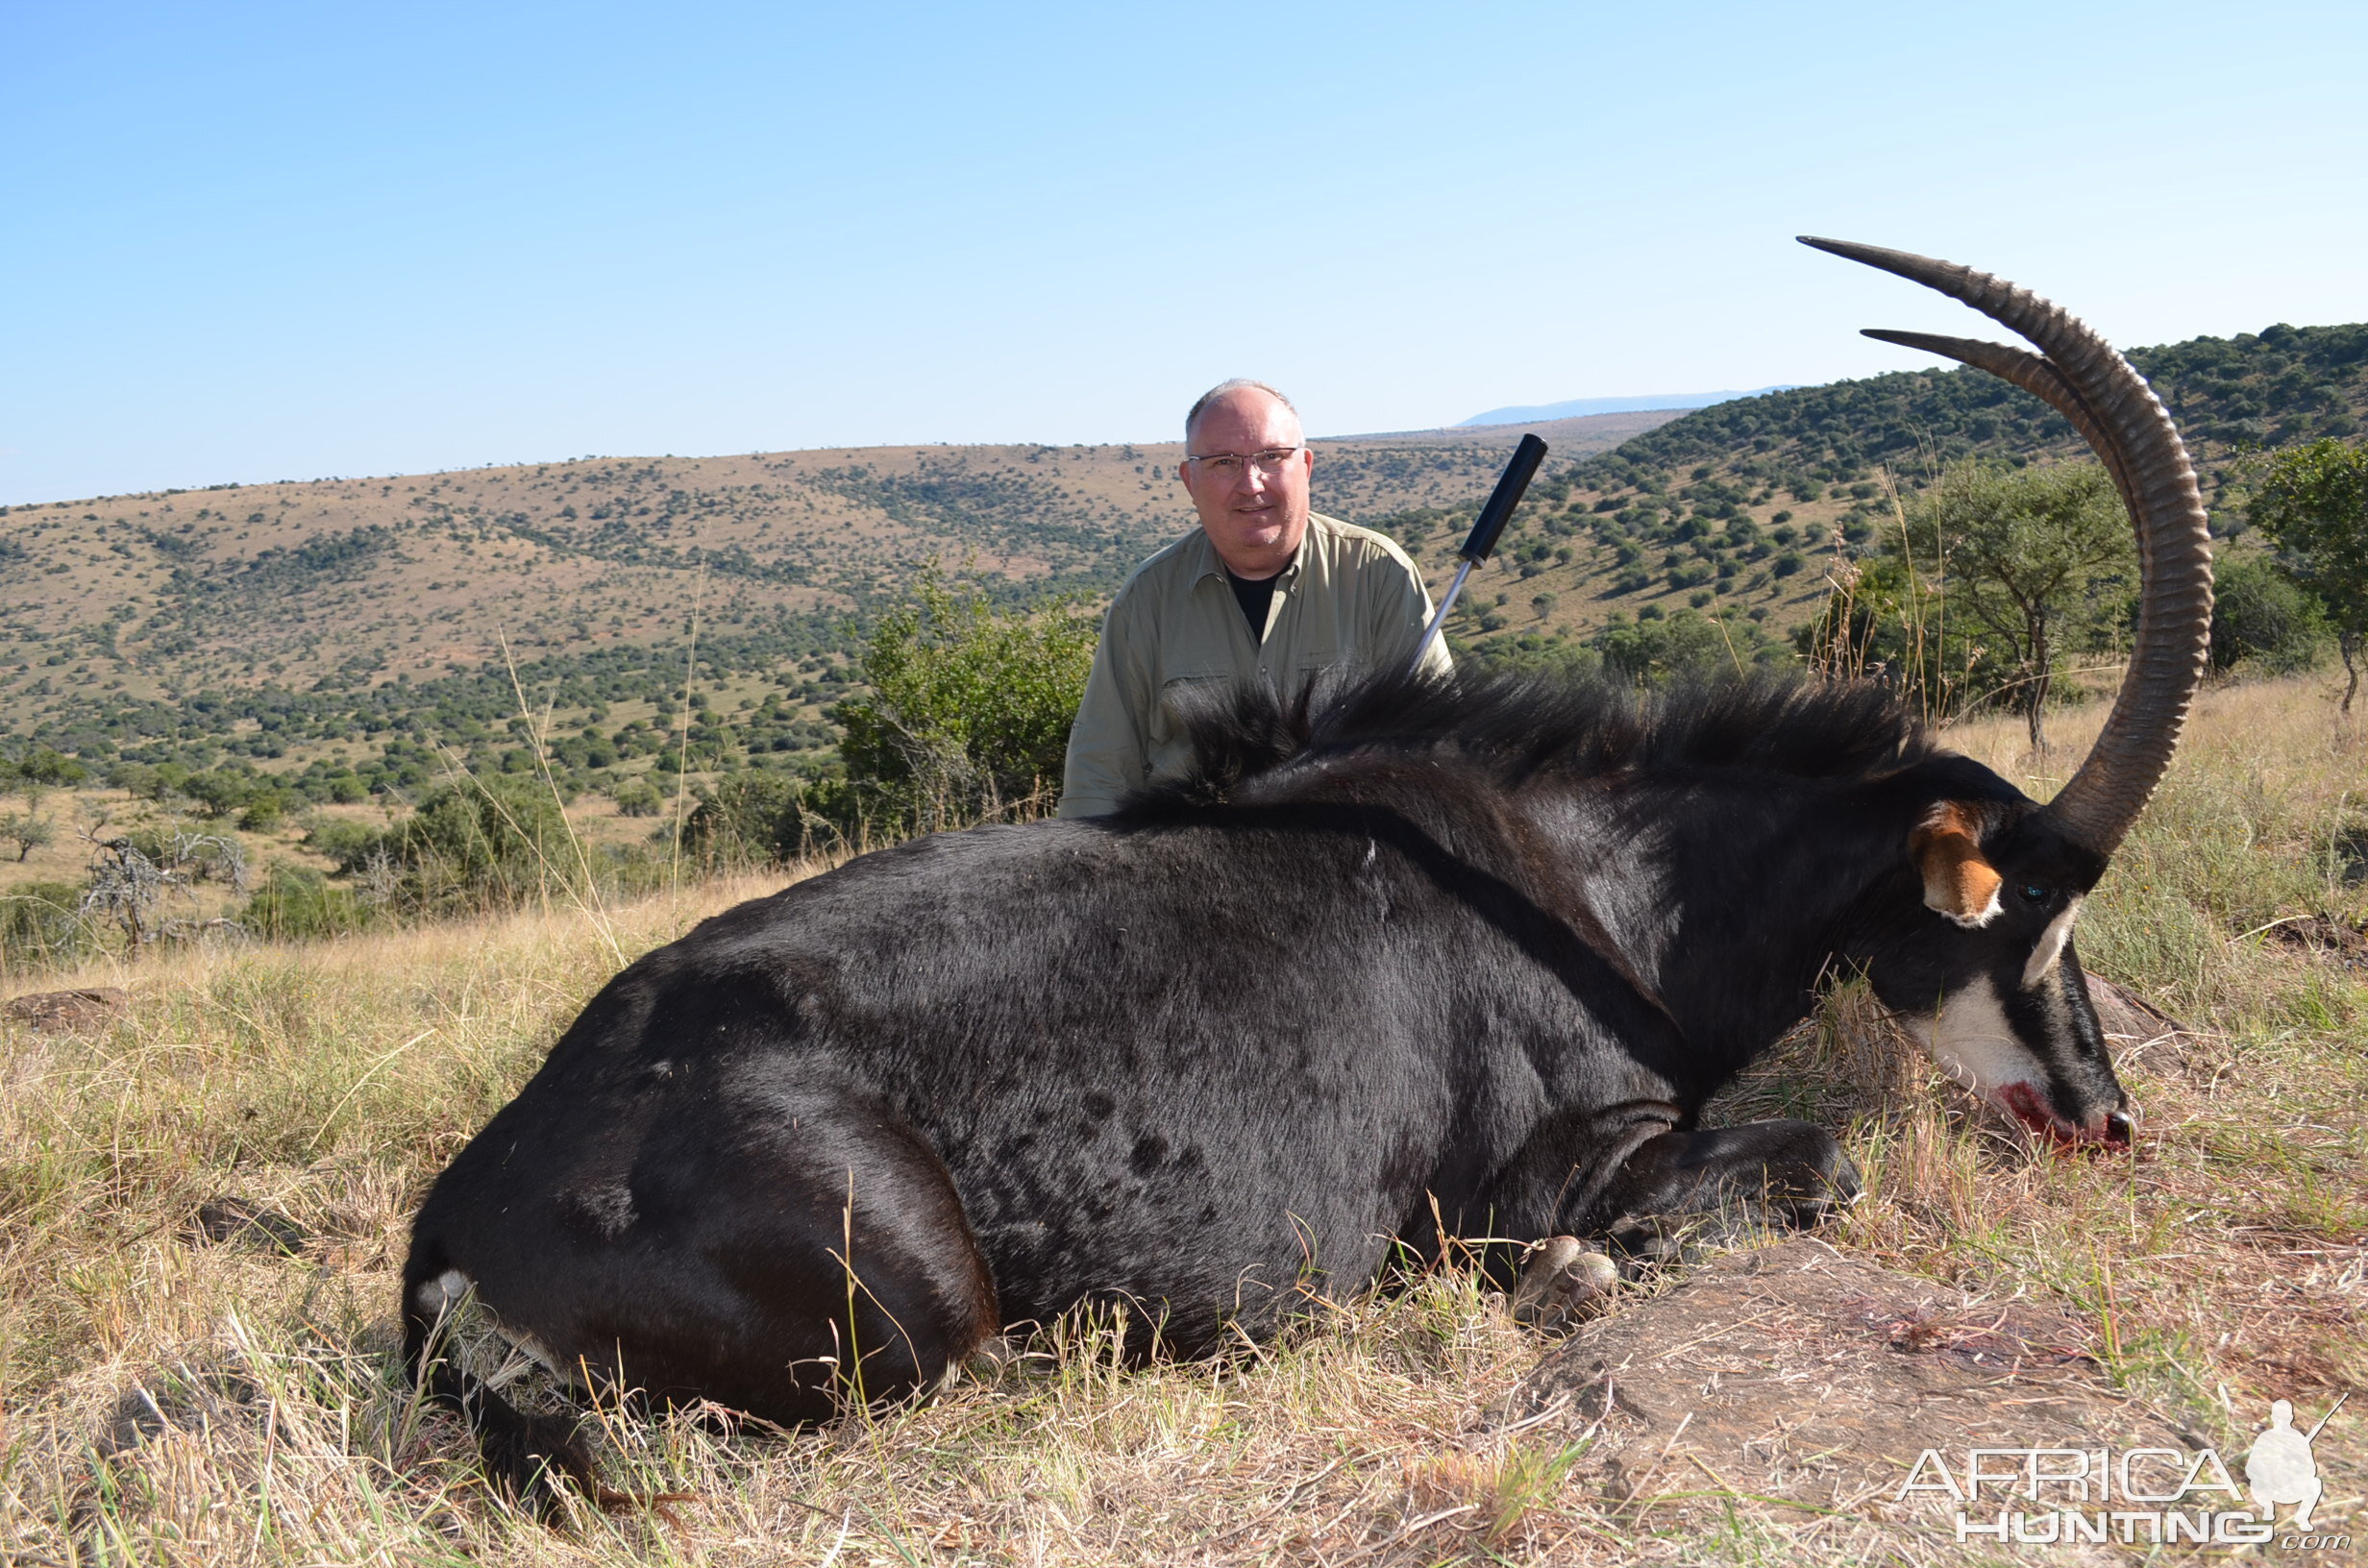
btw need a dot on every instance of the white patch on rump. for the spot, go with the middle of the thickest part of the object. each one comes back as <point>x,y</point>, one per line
<point>2044,957</point>
<point>1973,1042</point>
<point>450,1289</point>
<point>444,1292</point>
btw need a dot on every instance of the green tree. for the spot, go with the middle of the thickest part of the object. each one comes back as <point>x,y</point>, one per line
<point>2037,562</point>
<point>967,712</point>
<point>218,794</point>
<point>27,832</point>
<point>136,778</point>
<point>2311,502</point>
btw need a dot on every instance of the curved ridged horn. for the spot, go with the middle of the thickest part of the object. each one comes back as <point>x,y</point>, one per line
<point>2114,408</point>
<point>2034,376</point>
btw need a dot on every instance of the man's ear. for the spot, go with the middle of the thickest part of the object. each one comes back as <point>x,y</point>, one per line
<point>1947,849</point>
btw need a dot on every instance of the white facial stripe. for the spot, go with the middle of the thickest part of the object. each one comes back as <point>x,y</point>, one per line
<point>1973,1042</point>
<point>2044,957</point>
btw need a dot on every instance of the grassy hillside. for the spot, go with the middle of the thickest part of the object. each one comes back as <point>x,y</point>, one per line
<point>174,1398</point>
<point>1739,505</point>
<point>279,622</point>
<point>366,630</point>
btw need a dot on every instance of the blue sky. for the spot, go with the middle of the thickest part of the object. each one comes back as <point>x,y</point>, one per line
<point>246,241</point>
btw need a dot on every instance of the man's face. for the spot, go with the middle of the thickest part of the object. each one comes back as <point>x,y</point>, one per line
<point>1254,519</point>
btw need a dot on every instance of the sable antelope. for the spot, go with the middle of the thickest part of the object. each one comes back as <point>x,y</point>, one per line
<point>1472,953</point>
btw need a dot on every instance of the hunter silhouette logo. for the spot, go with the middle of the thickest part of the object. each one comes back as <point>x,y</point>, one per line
<point>2280,1467</point>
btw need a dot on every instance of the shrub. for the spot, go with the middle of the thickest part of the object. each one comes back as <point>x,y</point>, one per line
<point>638,797</point>
<point>143,884</point>
<point>262,811</point>
<point>2261,616</point>
<point>969,709</point>
<point>296,903</point>
<point>753,819</point>
<point>1651,652</point>
<point>342,842</point>
<point>41,926</point>
<point>45,766</point>
<point>480,844</point>
<point>1565,661</point>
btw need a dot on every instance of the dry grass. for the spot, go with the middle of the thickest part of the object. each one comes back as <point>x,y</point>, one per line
<point>168,1400</point>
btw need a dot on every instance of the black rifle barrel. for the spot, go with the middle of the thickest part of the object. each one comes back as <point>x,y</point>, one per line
<point>1511,486</point>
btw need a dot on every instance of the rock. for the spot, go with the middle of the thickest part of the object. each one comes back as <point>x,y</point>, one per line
<point>251,1225</point>
<point>67,1011</point>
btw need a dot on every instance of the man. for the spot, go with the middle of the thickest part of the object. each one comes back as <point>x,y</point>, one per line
<point>1265,590</point>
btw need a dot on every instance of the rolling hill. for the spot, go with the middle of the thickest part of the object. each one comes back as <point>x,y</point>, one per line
<point>1734,508</point>
<point>336,623</point>
<point>257,618</point>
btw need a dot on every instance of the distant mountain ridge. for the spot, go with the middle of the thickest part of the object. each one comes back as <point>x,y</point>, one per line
<point>1578,407</point>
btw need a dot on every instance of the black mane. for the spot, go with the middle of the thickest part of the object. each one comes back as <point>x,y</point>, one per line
<point>1518,725</point>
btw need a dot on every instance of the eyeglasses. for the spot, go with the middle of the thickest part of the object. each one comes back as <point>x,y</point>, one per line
<point>1227,466</point>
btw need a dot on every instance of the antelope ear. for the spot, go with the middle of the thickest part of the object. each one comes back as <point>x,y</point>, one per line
<point>1958,882</point>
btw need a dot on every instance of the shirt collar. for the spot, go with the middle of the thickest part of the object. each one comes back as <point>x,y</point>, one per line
<point>1212,565</point>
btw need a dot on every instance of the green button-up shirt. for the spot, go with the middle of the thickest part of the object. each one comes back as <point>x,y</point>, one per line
<point>1348,603</point>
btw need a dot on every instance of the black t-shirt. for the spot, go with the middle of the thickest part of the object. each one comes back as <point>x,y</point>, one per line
<point>1255,600</point>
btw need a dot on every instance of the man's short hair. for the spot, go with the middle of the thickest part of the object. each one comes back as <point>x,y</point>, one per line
<point>1238,383</point>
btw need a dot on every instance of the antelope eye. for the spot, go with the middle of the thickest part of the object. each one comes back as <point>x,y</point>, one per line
<point>2032,892</point>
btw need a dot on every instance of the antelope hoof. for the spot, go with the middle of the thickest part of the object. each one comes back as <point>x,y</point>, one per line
<point>1562,1284</point>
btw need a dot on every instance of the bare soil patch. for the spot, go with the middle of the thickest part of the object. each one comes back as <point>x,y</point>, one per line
<point>2346,944</point>
<point>1800,1383</point>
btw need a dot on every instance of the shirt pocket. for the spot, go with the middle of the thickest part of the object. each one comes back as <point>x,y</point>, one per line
<point>1320,671</point>
<point>1181,695</point>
